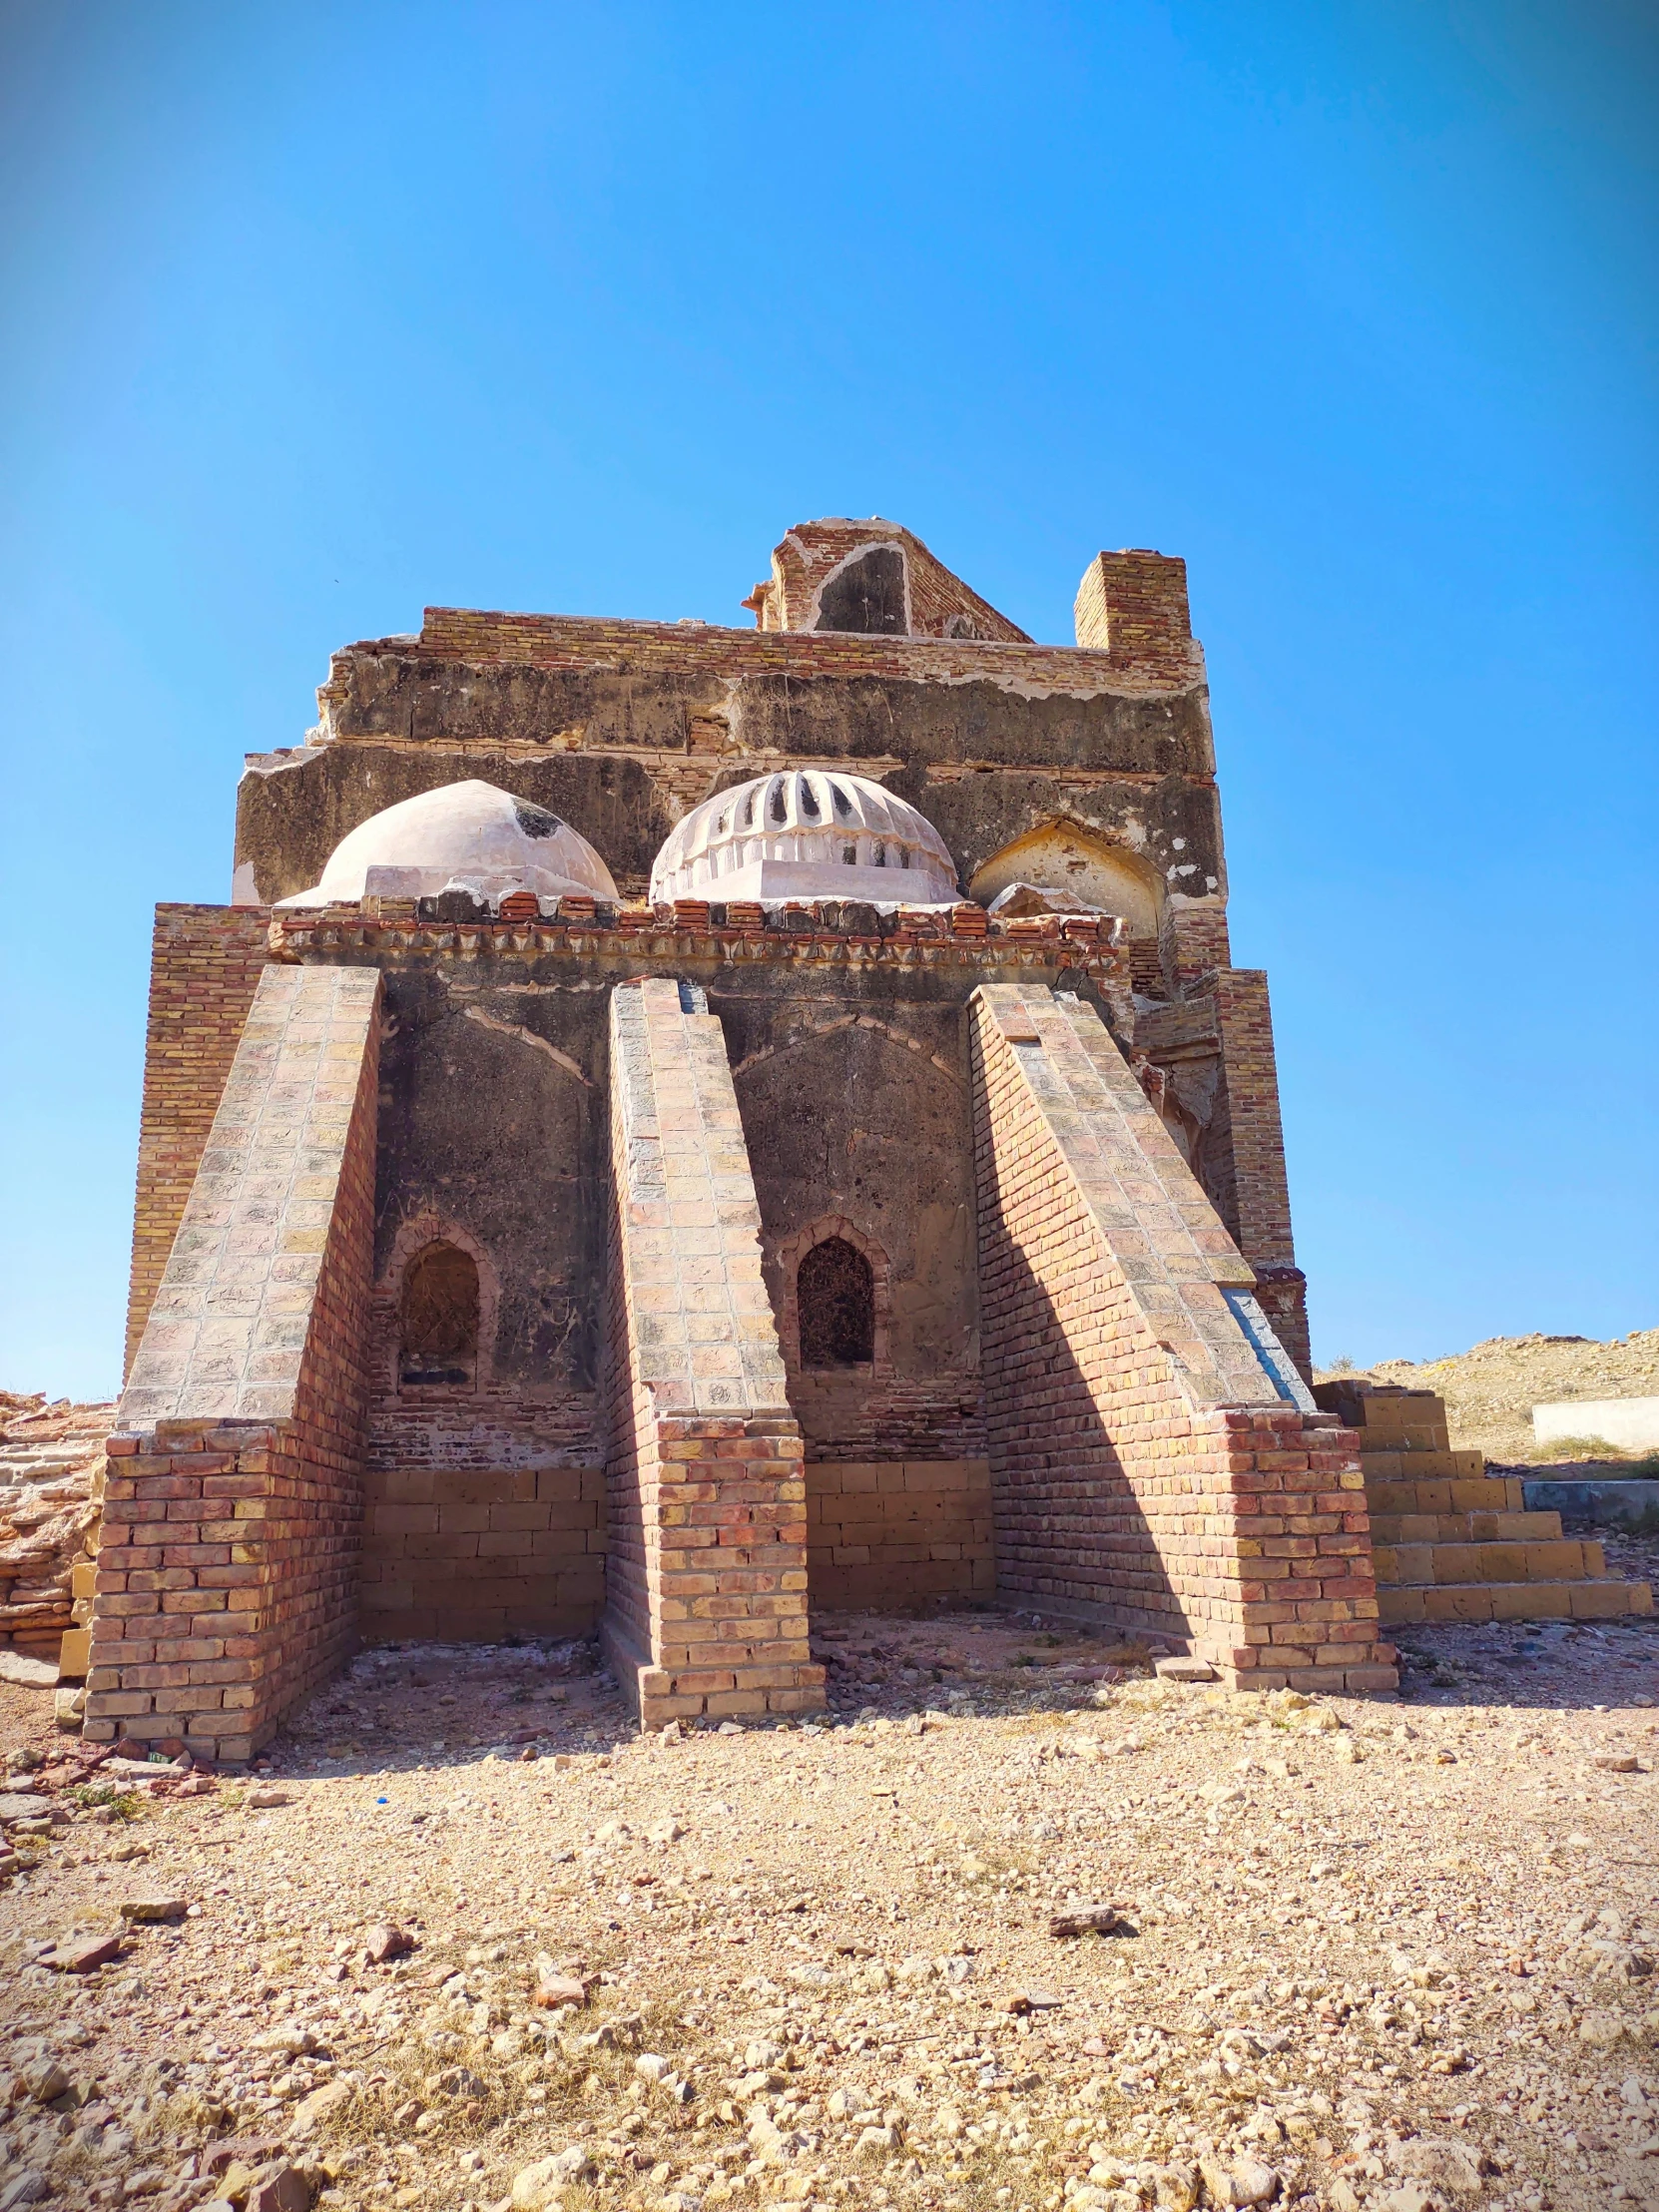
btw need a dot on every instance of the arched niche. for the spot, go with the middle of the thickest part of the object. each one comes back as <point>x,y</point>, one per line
<point>1060,855</point>
<point>835,1289</point>
<point>437,1320</point>
<point>437,1306</point>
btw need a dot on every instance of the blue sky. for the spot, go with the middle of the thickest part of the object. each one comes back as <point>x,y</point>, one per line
<point>313,316</point>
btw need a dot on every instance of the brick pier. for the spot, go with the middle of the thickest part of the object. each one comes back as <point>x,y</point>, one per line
<point>1149,1466</point>
<point>707,1610</point>
<point>228,1568</point>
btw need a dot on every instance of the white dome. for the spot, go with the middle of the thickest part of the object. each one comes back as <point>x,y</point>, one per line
<point>463,837</point>
<point>806,834</point>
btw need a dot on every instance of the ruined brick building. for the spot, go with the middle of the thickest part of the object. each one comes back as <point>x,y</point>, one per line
<point>683,1125</point>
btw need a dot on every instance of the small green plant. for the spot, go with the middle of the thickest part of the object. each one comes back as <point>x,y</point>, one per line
<point>122,1805</point>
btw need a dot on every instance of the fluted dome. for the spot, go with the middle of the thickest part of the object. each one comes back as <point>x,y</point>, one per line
<point>806,834</point>
<point>463,837</point>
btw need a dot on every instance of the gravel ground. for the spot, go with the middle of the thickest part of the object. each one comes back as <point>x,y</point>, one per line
<point>1384,1955</point>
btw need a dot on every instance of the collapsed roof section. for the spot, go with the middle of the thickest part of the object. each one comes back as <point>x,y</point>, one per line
<point>871,578</point>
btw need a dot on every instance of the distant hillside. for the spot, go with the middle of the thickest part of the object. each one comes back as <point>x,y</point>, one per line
<point>1491,1391</point>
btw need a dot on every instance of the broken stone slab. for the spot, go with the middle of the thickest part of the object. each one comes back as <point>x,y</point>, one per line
<point>280,2188</point>
<point>27,1673</point>
<point>41,2078</point>
<point>385,1943</point>
<point>311,2111</point>
<point>251,2151</point>
<point>1183,1670</point>
<point>81,1953</point>
<point>16,1806</point>
<point>152,1908</point>
<point>68,1704</point>
<point>1090,1920</point>
<point>1441,2163</point>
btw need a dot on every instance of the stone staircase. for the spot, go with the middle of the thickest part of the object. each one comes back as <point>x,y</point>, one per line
<point>1454,1543</point>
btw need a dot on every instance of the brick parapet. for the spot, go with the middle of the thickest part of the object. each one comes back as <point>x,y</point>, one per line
<point>1133,607</point>
<point>1147,658</point>
<point>226,1586</point>
<point>1145,1467</point>
<point>205,966</point>
<point>707,1606</point>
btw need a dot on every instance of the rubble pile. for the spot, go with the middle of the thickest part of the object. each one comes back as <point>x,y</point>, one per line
<point>51,1478</point>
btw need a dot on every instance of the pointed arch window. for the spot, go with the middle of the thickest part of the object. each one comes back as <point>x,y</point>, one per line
<point>835,1289</point>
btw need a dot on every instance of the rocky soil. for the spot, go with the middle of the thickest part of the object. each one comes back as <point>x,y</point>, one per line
<point>1396,1955</point>
<point>1491,1391</point>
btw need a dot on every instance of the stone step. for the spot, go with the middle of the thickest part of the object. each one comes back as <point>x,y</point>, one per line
<point>1395,1465</point>
<point>1566,1559</point>
<point>1489,1493</point>
<point>1464,1528</point>
<point>1513,1601</point>
<point>1406,1436</point>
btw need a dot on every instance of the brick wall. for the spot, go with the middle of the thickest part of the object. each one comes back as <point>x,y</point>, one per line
<point>1133,606</point>
<point>479,1554</point>
<point>813,551</point>
<point>205,966</point>
<point>228,1568</point>
<point>1248,1136</point>
<point>888,1531</point>
<point>706,1608</point>
<point>582,642</point>
<point>1263,1197</point>
<point>1145,1468</point>
<point>1195,941</point>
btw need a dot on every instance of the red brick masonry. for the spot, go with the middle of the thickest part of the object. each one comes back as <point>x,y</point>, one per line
<point>1145,1467</point>
<point>708,1573</point>
<point>227,1585</point>
<point>205,966</point>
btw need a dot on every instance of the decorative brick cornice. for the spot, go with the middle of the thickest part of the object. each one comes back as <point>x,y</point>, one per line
<point>736,934</point>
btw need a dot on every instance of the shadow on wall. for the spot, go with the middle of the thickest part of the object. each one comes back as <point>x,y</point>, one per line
<point>1069,1527</point>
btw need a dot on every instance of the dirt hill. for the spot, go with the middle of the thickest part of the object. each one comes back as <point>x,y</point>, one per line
<point>1491,1391</point>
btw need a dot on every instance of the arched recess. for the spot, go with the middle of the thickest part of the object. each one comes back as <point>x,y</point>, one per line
<point>817,1342</point>
<point>440,1299</point>
<point>1062,855</point>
